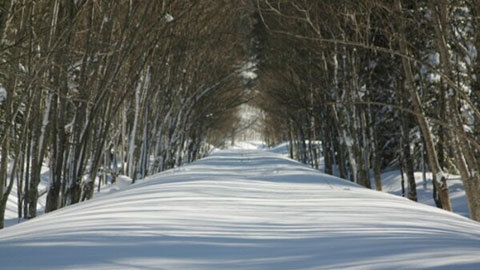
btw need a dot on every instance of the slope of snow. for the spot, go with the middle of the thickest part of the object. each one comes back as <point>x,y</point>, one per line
<point>392,184</point>
<point>11,212</point>
<point>243,209</point>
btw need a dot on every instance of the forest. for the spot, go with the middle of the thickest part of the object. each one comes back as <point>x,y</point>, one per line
<point>96,89</point>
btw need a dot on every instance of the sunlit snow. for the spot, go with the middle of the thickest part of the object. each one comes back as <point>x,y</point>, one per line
<point>243,209</point>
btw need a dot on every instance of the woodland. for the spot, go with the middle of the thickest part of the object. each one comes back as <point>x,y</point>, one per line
<point>96,89</point>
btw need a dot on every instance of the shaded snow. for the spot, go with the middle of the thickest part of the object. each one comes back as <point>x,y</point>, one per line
<point>11,211</point>
<point>392,184</point>
<point>243,209</point>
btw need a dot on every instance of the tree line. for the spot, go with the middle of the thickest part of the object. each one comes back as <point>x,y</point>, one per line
<point>379,83</point>
<point>93,89</point>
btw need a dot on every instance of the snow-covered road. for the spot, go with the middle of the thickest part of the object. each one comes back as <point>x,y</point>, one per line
<point>243,209</point>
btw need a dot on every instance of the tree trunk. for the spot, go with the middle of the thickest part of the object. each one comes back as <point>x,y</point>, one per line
<point>407,159</point>
<point>291,143</point>
<point>131,167</point>
<point>420,116</point>
<point>376,159</point>
<point>377,172</point>
<point>4,156</point>
<point>327,152</point>
<point>5,14</point>
<point>462,150</point>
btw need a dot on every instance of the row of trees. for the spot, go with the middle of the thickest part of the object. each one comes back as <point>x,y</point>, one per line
<point>94,89</point>
<point>99,88</point>
<point>377,82</point>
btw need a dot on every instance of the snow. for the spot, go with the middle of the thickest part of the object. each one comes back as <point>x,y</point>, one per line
<point>247,209</point>
<point>251,145</point>
<point>249,70</point>
<point>434,59</point>
<point>120,184</point>
<point>3,93</point>
<point>11,212</point>
<point>168,18</point>
<point>392,184</point>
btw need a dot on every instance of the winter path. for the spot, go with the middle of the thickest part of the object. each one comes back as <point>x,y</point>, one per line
<point>243,209</point>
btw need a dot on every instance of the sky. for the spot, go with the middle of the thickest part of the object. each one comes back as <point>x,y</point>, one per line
<point>243,209</point>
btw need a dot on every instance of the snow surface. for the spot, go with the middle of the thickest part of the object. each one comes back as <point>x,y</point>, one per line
<point>245,209</point>
<point>391,183</point>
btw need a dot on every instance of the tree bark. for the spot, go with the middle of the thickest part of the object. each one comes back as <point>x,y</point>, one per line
<point>407,159</point>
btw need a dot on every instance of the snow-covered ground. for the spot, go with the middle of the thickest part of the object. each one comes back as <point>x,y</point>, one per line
<point>243,209</point>
<point>11,212</point>
<point>391,183</point>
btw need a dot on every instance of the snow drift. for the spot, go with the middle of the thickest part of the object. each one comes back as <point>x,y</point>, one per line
<point>243,209</point>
